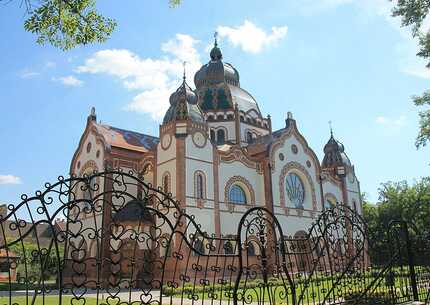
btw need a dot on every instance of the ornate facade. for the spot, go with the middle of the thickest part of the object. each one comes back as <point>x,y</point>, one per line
<point>218,156</point>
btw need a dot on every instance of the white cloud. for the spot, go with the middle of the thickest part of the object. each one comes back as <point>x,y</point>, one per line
<point>157,78</point>
<point>26,73</point>
<point>9,179</point>
<point>154,102</point>
<point>391,123</point>
<point>70,81</point>
<point>251,38</point>
<point>421,72</point>
<point>50,65</point>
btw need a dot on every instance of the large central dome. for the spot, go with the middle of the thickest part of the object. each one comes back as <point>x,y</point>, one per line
<point>218,86</point>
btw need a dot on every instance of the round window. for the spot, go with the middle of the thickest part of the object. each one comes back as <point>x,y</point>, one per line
<point>295,190</point>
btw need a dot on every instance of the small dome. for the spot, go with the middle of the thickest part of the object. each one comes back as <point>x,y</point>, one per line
<point>183,92</point>
<point>216,53</point>
<point>183,106</point>
<point>334,154</point>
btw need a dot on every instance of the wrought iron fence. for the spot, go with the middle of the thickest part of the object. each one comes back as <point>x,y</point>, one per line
<point>122,241</point>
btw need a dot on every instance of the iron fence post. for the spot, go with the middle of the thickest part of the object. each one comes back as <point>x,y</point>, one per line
<point>411,261</point>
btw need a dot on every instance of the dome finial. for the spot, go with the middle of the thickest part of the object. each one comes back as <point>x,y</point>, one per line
<point>216,52</point>
<point>184,64</point>
<point>331,128</point>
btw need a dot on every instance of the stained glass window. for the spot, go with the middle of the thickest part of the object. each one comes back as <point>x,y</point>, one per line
<point>295,190</point>
<point>237,195</point>
<point>251,249</point>
<point>199,248</point>
<point>199,186</point>
<point>166,183</point>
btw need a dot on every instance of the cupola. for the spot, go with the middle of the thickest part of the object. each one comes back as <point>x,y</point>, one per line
<point>183,106</point>
<point>334,154</point>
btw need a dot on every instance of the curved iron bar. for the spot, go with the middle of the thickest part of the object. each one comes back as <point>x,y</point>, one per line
<point>123,234</point>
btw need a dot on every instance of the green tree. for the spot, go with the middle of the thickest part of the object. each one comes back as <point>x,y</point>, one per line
<point>32,260</point>
<point>66,24</point>
<point>397,201</point>
<point>413,13</point>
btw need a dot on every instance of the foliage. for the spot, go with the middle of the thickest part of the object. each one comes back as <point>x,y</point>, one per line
<point>397,201</point>
<point>66,24</point>
<point>424,133</point>
<point>33,260</point>
<point>413,13</point>
<point>375,299</point>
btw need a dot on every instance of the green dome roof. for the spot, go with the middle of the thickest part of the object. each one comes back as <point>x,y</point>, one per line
<point>183,106</point>
<point>334,154</point>
<point>216,71</point>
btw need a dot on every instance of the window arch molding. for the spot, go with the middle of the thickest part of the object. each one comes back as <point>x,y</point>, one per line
<point>245,185</point>
<point>200,190</point>
<point>89,168</point>
<point>89,192</point>
<point>299,170</point>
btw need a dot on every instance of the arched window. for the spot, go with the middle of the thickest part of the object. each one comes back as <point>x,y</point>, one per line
<point>237,195</point>
<point>250,249</point>
<point>220,136</point>
<point>213,135</point>
<point>90,188</point>
<point>228,248</point>
<point>220,117</point>
<point>295,190</point>
<point>199,186</point>
<point>330,203</point>
<point>166,183</point>
<point>198,247</point>
<point>249,137</point>
<point>354,206</point>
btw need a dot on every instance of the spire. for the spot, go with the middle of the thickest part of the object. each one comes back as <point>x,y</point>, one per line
<point>184,77</point>
<point>216,39</point>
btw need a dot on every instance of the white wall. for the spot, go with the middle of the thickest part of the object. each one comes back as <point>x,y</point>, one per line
<point>297,219</point>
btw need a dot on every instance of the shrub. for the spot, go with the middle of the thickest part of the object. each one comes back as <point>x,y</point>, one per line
<point>375,299</point>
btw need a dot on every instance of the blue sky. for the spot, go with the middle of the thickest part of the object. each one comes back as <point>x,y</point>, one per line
<point>346,61</point>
